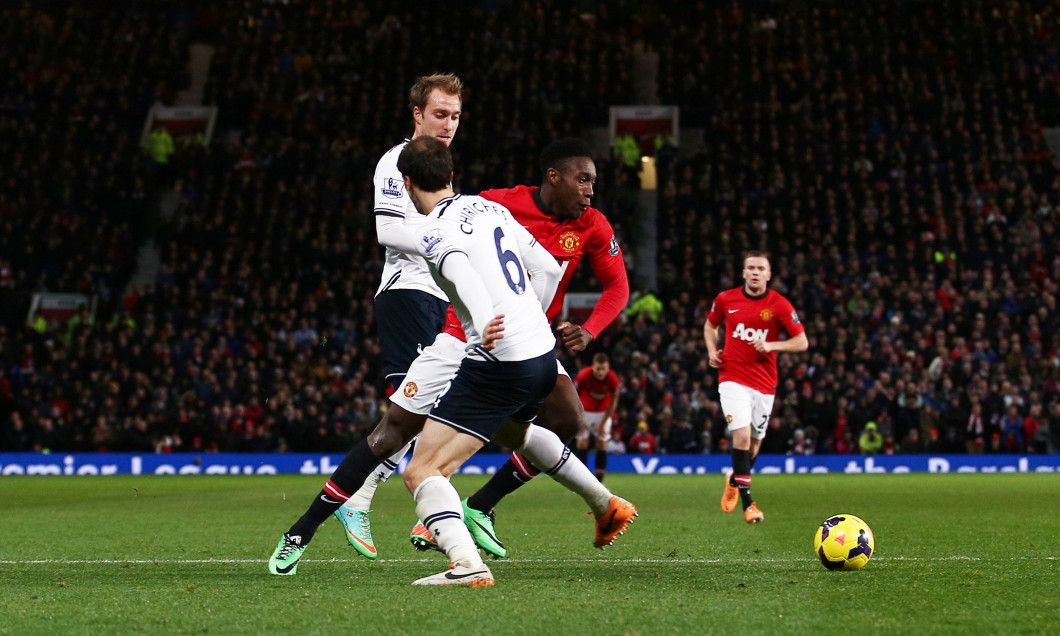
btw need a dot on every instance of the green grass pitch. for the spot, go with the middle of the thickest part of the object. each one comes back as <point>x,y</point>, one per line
<point>955,554</point>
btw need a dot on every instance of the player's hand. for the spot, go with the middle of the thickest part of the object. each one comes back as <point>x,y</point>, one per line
<point>574,337</point>
<point>760,345</point>
<point>715,360</point>
<point>494,332</point>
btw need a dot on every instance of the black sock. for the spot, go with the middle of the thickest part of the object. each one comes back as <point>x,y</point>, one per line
<point>582,454</point>
<point>741,475</point>
<point>601,464</point>
<point>347,478</point>
<point>504,482</point>
<point>355,468</point>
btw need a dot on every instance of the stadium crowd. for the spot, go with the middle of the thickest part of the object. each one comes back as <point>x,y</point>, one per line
<point>901,183</point>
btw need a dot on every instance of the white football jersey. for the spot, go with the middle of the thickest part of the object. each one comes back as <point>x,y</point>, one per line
<point>401,269</point>
<point>493,242</point>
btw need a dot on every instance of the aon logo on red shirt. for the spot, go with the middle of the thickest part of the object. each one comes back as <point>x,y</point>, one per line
<point>749,335</point>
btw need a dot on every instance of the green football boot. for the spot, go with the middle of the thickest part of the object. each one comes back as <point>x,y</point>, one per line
<point>284,561</point>
<point>481,526</point>
<point>358,531</point>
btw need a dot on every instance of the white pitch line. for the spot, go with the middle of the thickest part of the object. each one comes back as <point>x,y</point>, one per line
<point>619,560</point>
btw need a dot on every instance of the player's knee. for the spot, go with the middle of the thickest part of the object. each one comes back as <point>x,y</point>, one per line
<point>396,429</point>
<point>566,423</point>
<point>413,477</point>
<point>511,435</point>
<point>741,438</point>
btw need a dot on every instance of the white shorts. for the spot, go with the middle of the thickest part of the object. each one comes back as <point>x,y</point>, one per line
<point>593,426</point>
<point>430,374</point>
<point>743,406</point>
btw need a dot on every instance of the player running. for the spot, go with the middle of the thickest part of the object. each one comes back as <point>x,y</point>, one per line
<point>509,368</point>
<point>558,214</point>
<point>753,316</point>
<point>426,379</point>
<point>409,306</point>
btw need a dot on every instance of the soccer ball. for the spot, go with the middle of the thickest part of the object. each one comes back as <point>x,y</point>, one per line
<point>844,542</point>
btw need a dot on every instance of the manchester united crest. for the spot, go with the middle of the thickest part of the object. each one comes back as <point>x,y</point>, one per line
<point>767,314</point>
<point>728,419</point>
<point>570,241</point>
<point>411,389</point>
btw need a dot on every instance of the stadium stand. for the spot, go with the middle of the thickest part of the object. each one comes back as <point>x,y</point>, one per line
<point>907,195</point>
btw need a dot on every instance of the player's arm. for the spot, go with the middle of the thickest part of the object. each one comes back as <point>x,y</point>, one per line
<point>545,273</point>
<point>611,407</point>
<point>391,231</point>
<point>610,269</point>
<point>796,341</point>
<point>389,206</point>
<point>710,337</point>
<point>793,344</point>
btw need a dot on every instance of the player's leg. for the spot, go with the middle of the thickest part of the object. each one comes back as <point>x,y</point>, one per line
<point>396,428</point>
<point>581,442</point>
<point>480,398</point>
<point>407,321</point>
<point>441,450</point>
<point>736,403</point>
<point>762,407</point>
<point>603,435</point>
<point>426,379</point>
<point>613,514</point>
<point>562,413</point>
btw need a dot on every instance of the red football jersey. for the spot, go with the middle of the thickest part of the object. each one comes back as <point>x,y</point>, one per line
<point>590,235</point>
<point>596,395</point>
<point>746,319</point>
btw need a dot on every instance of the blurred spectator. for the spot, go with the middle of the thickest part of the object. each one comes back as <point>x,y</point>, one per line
<point>974,433</point>
<point>799,444</point>
<point>643,441</point>
<point>912,443</point>
<point>1012,428</point>
<point>870,442</point>
<point>159,145</point>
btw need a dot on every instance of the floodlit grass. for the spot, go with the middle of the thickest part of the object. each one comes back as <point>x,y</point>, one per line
<point>955,554</point>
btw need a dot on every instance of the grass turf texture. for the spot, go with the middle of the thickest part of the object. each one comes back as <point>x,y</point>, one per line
<point>954,554</point>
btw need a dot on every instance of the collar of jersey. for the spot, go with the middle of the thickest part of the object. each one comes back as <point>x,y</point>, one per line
<point>758,297</point>
<point>444,203</point>
<point>540,203</point>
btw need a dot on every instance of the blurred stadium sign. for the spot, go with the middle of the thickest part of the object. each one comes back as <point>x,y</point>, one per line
<point>60,307</point>
<point>645,124</point>
<point>184,123</point>
<point>489,463</point>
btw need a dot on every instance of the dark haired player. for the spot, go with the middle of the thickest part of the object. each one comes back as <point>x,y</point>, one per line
<point>409,305</point>
<point>559,215</point>
<point>568,167</point>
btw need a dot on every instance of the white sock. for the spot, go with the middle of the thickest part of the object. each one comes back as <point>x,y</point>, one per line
<point>545,450</point>
<point>438,504</point>
<point>362,499</point>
